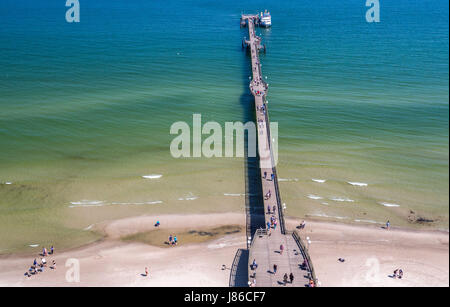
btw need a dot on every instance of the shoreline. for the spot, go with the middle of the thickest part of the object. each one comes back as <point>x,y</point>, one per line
<point>99,228</point>
<point>112,262</point>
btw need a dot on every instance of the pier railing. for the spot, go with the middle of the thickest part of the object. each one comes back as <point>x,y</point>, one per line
<point>305,253</point>
<point>280,207</point>
<point>275,175</point>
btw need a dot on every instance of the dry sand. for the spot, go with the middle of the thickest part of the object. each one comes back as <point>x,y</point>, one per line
<point>371,255</point>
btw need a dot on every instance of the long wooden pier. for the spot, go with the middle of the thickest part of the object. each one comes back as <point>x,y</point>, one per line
<point>271,246</point>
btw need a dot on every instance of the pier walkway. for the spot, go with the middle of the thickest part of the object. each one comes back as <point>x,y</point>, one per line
<point>265,247</point>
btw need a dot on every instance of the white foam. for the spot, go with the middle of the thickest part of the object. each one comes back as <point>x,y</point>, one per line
<point>319,180</point>
<point>342,199</point>
<point>235,195</point>
<point>33,245</point>
<point>89,227</point>
<point>87,203</point>
<point>329,216</point>
<point>389,204</point>
<point>8,182</point>
<point>359,184</point>
<point>325,204</point>
<point>190,196</point>
<point>98,203</point>
<point>153,176</point>
<point>138,204</point>
<point>314,197</point>
<point>287,179</point>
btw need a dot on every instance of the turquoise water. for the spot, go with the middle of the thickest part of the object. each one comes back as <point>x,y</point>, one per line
<point>86,109</point>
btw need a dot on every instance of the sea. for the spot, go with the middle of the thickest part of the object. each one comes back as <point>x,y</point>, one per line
<point>86,110</point>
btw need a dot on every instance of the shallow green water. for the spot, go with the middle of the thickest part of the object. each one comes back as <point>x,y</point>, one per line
<point>86,111</point>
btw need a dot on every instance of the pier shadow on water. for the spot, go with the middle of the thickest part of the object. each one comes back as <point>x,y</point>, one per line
<point>254,205</point>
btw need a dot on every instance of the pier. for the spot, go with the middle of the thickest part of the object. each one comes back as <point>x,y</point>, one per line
<point>264,245</point>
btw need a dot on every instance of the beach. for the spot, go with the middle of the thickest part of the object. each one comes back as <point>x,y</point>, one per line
<point>371,254</point>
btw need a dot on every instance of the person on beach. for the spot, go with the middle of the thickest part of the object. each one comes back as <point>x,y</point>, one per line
<point>44,262</point>
<point>272,176</point>
<point>400,274</point>
<point>268,225</point>
<point>291,278</point>
<point>53,267</point>
<point>302,225</point>
<point>157,224</point>
<point>146,271</point>
<point>52,250</point>
<point>275,224</point>
<point>275,267</point>
<point>311,283</point>
<point>170,239</point>
<point>265,175</point>
<point>395,274</point>
<point>281,249</point>
<point>273,209</point>
<point>285,278</point>
<point>268,209</point>
<point>34,262</point>
<point>175,240</point>
<point>44,252</point>
<point>388,225</point>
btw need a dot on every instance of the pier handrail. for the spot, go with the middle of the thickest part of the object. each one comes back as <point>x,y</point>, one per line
<point>274,170</point>
<point>280,207</point>
<point>305,254</point>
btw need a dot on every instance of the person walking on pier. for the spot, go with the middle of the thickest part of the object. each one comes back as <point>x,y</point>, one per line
<point>275,267</point>
<point>291,278</point>
<point>273,209</point>
<point>285,279</point>
<point>254,265</point>
<point>281,249</point>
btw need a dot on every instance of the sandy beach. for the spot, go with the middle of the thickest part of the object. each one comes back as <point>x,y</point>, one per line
<point>371,254</point>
